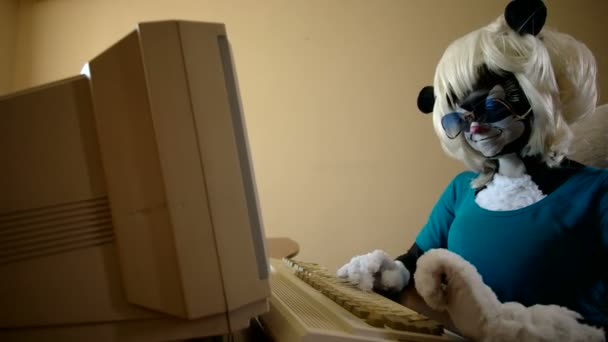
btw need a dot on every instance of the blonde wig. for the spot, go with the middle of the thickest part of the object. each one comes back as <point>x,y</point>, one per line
<point>556,73</point>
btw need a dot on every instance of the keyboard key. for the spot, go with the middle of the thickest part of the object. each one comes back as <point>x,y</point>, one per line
<point>371,307</point>
<point>376,320</point>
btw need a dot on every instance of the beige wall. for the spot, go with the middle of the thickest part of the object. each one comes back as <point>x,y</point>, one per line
<point>8,38</point>
<point>344,162</point>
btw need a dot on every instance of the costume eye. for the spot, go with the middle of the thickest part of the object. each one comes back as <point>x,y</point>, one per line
<point>496,110</point>
<point>491,104</point>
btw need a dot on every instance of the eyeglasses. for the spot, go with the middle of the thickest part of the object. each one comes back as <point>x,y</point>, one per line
<point>495,110</point>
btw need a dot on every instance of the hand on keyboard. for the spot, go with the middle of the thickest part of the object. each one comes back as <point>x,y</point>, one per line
<point>375,270</point>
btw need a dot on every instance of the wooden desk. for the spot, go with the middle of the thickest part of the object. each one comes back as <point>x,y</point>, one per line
<point>281,247</point>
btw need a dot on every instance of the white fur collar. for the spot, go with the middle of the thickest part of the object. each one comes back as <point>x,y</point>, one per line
<point>505,193</point>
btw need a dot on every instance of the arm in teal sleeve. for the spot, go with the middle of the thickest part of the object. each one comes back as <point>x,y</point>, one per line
<point>434,234</point>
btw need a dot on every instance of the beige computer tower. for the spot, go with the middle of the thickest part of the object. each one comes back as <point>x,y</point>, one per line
<point>128,209</point>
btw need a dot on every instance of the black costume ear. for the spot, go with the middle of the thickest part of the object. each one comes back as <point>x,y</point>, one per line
<point>526,16</point>
<point>426,99</point>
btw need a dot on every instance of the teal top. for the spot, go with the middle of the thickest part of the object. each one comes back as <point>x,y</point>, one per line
<point>551,252</point>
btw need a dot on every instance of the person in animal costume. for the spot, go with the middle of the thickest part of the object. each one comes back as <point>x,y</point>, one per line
<point>514,249</point>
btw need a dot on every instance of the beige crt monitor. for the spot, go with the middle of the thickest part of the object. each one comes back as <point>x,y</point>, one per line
<point>128,209</point>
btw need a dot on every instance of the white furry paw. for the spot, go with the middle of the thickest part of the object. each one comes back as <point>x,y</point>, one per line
<point>440,272</point>
<point>394,278</point>
<point>375,270</point>
<point>429,278</point>
<point>539,323</point>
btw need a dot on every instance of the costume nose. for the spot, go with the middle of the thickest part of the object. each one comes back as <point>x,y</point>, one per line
<point>476,128</point>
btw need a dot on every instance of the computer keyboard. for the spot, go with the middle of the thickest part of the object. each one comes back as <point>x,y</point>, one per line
<point>310,304</point>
